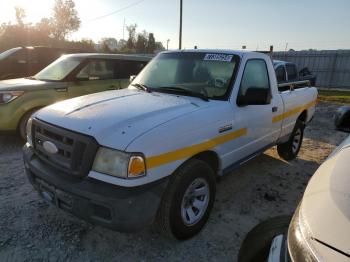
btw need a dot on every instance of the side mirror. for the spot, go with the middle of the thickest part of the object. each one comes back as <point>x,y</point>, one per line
<point>255,96</point>
<point>342,119</point>
<point>132,78</point>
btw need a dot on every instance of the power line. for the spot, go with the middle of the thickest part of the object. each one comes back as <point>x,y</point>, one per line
<point>114,12</point>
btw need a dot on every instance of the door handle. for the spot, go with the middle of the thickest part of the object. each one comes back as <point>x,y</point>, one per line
<point>61,89</point>
<point>274,109</point>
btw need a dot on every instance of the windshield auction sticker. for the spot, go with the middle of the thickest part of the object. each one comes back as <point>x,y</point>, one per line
<point>218,57</point>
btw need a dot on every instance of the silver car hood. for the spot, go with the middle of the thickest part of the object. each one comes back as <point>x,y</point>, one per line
<point>325,206</point>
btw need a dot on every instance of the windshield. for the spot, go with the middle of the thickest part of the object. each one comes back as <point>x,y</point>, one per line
<point>9,52</point>
<point>208,74</point>
<point>59,69</point>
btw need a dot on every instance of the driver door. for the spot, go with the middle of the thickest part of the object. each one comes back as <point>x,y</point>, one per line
<point>256,118</point>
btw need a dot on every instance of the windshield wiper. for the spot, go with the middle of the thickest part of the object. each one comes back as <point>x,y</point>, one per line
<point>183,91</point>
<point>142,87</point>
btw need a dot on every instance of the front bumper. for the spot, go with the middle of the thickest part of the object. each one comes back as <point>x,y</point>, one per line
<point>119,208</point>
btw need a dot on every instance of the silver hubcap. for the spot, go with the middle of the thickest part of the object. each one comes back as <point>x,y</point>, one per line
<point>195,201</point>
<point>296,141</point>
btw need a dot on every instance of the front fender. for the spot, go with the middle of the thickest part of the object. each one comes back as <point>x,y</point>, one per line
<point>12,113</point>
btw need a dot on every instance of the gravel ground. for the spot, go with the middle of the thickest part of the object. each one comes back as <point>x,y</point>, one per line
<point>31,230</point>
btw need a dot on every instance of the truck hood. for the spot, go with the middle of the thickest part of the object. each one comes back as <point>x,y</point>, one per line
<point>26,84</point>
<point>116,118</point>
<point>325,207</point>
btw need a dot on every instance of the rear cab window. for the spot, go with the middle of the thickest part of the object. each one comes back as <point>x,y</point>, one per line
<point>292,72</point>
<point>281,74</point>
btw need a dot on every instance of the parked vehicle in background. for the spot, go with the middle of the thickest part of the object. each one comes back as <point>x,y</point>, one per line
<point>288,72</point>
<point>320,227</point>
<point>27,61</point>
<point>69,76</point>
<point>152,152</point>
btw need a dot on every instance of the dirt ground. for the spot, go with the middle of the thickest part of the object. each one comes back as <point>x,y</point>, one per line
<point>31,230</point>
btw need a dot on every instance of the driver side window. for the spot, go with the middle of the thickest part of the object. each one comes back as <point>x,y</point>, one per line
<point>255,76</point>
<point>97,70</point>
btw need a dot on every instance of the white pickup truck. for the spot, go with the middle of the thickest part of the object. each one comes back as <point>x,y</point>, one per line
<point>151,153</point>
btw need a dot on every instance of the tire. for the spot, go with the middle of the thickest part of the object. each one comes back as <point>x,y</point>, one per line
<point>257,243</point>
<point>290,149</point>
<point>173,218</point>
<point>22,126</point>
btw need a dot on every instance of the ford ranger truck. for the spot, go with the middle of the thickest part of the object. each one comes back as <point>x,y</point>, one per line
<point>151,153</point>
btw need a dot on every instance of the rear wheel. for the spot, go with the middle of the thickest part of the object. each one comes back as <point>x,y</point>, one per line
<point>290,149</point>
<point>189,198</point>
<point>22,127</point>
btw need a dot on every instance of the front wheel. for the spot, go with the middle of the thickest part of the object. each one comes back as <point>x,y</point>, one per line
<point>290,149</point>
<point>189,198</point>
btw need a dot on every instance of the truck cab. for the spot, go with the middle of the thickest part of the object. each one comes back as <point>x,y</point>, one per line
<point>151,153</point>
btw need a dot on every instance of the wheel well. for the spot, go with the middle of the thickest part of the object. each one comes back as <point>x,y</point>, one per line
<point>303,116</point>
<point>211,158</point>
<point>25,113</point>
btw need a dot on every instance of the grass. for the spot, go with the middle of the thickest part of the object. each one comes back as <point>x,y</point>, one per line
<point>338,97</point>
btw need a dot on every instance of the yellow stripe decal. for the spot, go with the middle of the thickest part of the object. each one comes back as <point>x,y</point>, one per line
<point>186,152</point>
<point>293,111</point>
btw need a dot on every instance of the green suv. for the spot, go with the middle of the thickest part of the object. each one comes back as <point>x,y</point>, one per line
<point>67,77</point>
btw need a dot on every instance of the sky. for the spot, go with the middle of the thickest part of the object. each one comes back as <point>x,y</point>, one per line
<point>223,24</point>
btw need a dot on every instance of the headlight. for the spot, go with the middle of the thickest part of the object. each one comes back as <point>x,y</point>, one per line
<point>7,97</point>
<point>299,240</point>
<point>29,131</point>
<point>119,164</point>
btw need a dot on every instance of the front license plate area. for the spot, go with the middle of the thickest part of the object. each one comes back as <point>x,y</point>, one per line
<point>64,200</point>
<point>48,194</point>
<point>54,196</point>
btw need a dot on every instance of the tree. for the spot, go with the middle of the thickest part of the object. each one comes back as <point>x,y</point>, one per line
<point>44,27</point>
<point>130,44</point>
<point>20,15</point>
<point>65,19</point>
<point>121,44</point>
<point>159,47</point>
<point>142,42</point>
<point>42,33</point>
<point>151,43</point>
<point>108,44</point>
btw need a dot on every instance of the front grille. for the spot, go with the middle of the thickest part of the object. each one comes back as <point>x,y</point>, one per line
<point>75,154</point>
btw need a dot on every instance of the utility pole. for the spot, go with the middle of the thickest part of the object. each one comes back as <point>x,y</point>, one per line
<point>124,29</point>
<point>167,44</point>
<point>180,35</point>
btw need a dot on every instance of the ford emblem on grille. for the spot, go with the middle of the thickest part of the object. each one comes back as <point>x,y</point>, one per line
<point>50,147</point>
